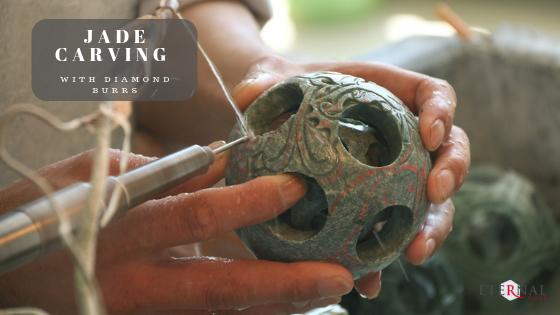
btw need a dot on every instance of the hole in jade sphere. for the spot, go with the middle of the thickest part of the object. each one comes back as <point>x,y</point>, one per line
<point>492,236</point>
<point>306,218</point>
<point>370,135</point>
<point>273,110</point>
<point>382,231</point>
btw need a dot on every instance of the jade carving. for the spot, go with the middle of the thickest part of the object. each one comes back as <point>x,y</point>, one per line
<point>359,149</point>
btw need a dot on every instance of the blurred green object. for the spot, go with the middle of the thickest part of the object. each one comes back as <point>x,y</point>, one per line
<point>503,231</point>
<point>325,11</point>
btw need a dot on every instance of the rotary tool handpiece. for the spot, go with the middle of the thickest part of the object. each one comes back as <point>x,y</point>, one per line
<point>33,229</point>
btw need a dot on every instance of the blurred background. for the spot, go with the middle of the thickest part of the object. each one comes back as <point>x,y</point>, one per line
<point>342,29</point>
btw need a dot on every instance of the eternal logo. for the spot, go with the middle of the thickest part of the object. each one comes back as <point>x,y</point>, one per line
<point>510,290</point>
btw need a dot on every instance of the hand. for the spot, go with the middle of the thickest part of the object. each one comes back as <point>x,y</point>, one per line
<point>433,100</point>
<point>136,273</point>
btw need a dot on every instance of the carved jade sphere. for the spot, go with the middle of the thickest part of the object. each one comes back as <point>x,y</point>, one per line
<point>359,150</point>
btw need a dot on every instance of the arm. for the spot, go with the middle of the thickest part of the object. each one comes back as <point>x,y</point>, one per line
<point>230,35</point>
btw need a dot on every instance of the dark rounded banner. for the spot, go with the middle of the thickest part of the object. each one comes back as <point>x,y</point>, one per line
<point>105,60</point>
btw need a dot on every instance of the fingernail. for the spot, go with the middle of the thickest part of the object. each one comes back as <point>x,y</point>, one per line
<point>251,79</point>
<point>370,297</point>
<point>445,184</point>
<point>325,302</point>
<point>334,286</point>
<point>292,188</point>
<point>430,247</point>
<point>371,291</point>
<point>437,132</point>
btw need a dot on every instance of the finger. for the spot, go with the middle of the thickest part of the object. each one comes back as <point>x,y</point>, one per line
<point>437,226</point>
<point>261,76</point>
<point>62,174</point>
<point>189,218</point>
<point>78,168</point>
<point>452,161</point>
<point>220,284</point>
<point>253,86</point>
<point>286,308</point>
<point>269,309</point>
<point>179,312</point>
<point>369,286</point>
<point>434,100</point>
<point>210,177</point>
<point>213,175</point>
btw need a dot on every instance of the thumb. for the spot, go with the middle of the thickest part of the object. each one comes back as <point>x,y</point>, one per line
<point>255,82</point>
